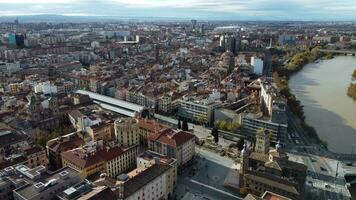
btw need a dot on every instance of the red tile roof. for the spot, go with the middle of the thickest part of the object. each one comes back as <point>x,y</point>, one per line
<point>172,138</point>
<point>66,144</point>
<point>83,159</point>
<point>151,125</point>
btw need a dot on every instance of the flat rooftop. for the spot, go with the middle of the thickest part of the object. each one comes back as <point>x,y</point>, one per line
<point>31,189</point>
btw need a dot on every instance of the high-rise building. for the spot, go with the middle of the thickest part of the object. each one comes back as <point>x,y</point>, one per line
<point>20,40</point>
<point>257,64</point>
<point>202,29</point>
<point>156,52</point>
<point>194,23</point>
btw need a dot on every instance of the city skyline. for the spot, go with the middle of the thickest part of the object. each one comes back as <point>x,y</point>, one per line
<point>303,10</point>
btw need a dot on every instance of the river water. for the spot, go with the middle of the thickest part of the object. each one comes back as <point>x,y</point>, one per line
<point>321,87</point>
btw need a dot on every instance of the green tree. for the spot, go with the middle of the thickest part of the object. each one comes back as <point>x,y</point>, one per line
<point>240,144</point>
<point>215,133</point>
<point>354,74</point>
<point>179,125</point>
<point>351,91</point>
<point>185,125</point>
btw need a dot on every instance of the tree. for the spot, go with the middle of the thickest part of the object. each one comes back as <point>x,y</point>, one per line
<point>179,124</point>
<point>240,144</point>
<point>185,125</point>
<point>215,133</point>
<point>354,74</point>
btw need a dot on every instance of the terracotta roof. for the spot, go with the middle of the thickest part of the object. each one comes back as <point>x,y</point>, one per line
<point>12,138</point>
<point>150,125</point>
<point>61,145</point>
<point>172,138</point>
<point>276,184</point>
<point>33,150</point>
<point>83,159</point>
<point>259,157</point>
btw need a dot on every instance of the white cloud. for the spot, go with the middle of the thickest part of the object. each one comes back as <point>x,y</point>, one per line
<point>37,1</point>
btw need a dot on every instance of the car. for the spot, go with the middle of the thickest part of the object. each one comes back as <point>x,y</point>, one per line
<point>313,159</point>
<point>327,185</point>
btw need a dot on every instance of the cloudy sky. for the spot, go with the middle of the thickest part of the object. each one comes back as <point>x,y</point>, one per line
<point>200,9</point>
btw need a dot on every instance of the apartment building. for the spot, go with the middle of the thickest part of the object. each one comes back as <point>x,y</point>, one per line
<point>97,158</point>
<point>127,131</point>
<point>175,144</point>
<point>149,181</point>
<point>197,111</point>
<point>147,128</point>
<point>37,183</point>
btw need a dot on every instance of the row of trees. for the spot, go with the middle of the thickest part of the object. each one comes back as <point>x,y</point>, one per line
<point>281,78</point>
<point>226,125</point>
<point>183,125</point>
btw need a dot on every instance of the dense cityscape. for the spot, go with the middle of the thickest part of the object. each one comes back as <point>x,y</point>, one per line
<point>170,109</point>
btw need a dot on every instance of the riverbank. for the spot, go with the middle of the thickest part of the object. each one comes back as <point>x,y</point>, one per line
<point>351,91</point>
<point>281,77</point>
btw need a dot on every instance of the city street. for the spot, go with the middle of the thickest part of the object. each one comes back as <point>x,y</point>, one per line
<point>205,178</point>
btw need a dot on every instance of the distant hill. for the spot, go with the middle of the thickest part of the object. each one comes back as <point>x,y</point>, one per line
<point>63,18</point>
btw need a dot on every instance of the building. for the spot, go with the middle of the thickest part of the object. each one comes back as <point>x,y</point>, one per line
<point>272,116</point>
<point>31,156</point>
<point>86,190</point>
<point>197,111</point>
<point>12,139</point>
<point>257,65</point>
<point>252,122</point>
<point>262,141</point>
<point>266,196</point>
<point>285,39</point>
<point>95,158</point>
<point>272,171</point>
<point>36,156</point>
<point>82,122</point>
<point>175,144</point>
<point>101,131</point>
<point>61,144</point>
<point>39,184</point>
<point>127,131</point>
<point>165,104</point>
<point>148,157</point>
<point>152,180</point>
<point>147,128</point>
<point>119,106</point>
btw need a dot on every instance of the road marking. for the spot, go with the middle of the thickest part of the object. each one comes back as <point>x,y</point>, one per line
<point>215,189</point>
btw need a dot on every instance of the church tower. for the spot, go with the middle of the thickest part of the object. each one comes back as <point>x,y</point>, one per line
<point>262,141</point>
<point>243,165</point>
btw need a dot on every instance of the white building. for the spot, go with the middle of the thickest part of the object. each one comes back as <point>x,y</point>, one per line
<point>12,67</point>
<point>257,65</point>
<point>45,88</point>
<point>154,179</point>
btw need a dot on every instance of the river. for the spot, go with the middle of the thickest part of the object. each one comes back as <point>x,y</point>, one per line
<point>321,87</point>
